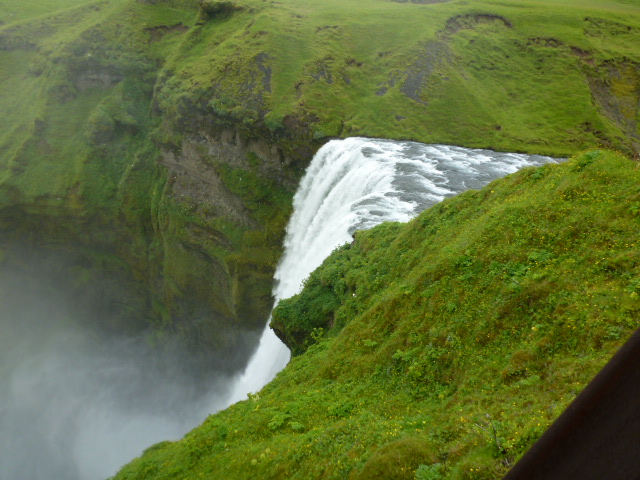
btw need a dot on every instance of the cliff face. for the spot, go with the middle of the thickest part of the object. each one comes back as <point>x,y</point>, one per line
<point>166,222</point>
<point>160,141</point>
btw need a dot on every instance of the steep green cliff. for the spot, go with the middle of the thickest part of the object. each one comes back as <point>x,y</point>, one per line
<point>444,346</point>
<point>176,239</point>
<point>156,144</point>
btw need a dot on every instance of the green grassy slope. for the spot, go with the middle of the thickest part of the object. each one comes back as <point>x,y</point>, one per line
<point>13,12</point>
<point>545,76</point>
<point>449,342</point>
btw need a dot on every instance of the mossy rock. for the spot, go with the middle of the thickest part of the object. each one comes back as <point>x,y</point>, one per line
<point>397,461</point>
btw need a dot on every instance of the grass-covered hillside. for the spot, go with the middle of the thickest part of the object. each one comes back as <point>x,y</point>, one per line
<point>544,76</point>
<point>158,142</point>
<point>444,347</point>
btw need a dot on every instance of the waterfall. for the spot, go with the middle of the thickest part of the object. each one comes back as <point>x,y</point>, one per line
<point>355,184</point>
<point>76,406</point>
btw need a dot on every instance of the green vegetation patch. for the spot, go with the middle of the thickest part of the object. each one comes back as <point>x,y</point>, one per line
<point>444,347</point>
<point>534,76</point>
<point>12,12</point>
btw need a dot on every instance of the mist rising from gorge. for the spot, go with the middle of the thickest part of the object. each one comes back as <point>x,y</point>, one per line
<point>76,402</point>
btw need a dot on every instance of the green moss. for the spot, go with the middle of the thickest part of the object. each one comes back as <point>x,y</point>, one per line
<point>398,460</point>
<point>15,12</point>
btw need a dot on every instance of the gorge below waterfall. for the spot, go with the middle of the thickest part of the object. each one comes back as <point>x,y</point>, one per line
<point>75,406</point>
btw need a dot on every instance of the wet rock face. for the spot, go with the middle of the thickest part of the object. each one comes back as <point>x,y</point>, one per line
<point>215,268</point>
<point>194,179</point>
<point>617,93</point>
<point>97,79</point>
<point>194,170</point>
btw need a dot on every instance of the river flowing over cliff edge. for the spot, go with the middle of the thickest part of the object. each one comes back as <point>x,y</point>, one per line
<point>356,184</point>
<point>76,406</point>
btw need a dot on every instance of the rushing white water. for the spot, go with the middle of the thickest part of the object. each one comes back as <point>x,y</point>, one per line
<point>355,184</point>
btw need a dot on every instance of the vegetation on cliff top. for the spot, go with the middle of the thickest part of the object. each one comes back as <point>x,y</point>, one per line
<point>450,342</point>
<point>541,77</point>
<point>547,77</point>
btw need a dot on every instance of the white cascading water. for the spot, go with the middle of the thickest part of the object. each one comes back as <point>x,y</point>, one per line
<point>355,184</point>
